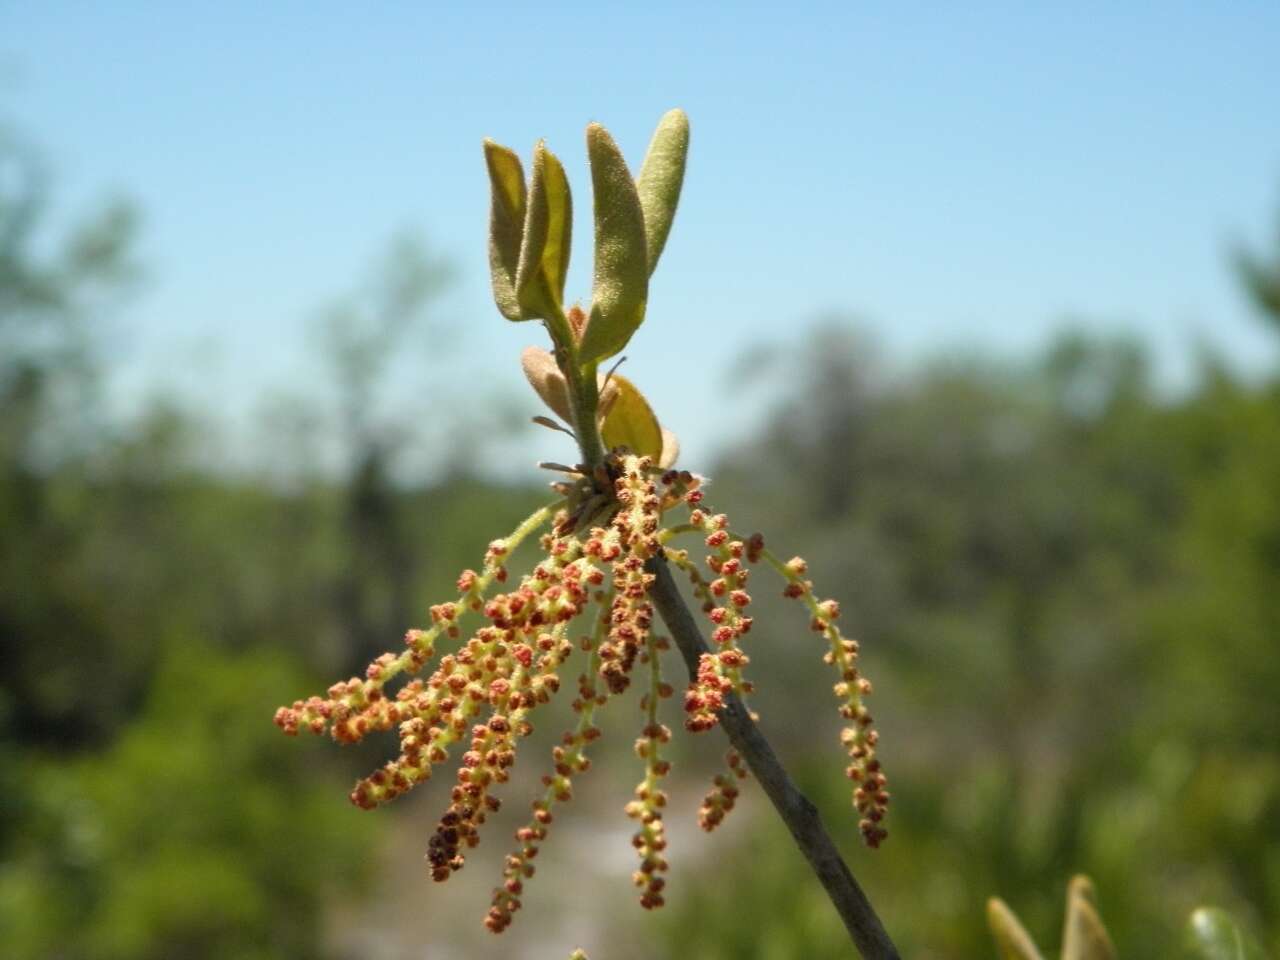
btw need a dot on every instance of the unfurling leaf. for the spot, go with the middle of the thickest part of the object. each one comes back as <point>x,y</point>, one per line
<point>1012,940</point>
<point>506,226</point>
<point>621,285</point>
<point>661,177</point>
<point>625,417</point>
<point>1213,934</point>
<point>630,421</point>
<point>544,251</point>
<point>1083,935</point>
<point>547,381</point>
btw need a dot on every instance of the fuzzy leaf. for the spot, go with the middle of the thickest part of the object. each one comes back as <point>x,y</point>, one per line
<point>630,421</point>
<point>506,225</point>
<point>621,285</point>
<point>1012,940</point>
<point>544,251</point>
<point>547,381</point>
<point>1213,934</point>
<point>1083,936</point>
<point>661,176</point>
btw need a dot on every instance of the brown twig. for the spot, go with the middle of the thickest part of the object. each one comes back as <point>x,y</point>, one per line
<point>799,814</point>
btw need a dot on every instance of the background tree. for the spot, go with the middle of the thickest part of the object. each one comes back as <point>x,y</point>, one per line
<point>361,335</point>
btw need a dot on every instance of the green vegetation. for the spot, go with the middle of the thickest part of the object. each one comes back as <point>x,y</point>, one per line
<point>1068,590</point>
<point>1210,933</point>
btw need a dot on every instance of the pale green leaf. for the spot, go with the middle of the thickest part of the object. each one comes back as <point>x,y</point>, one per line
<point>1083,936</point>
<point>621,286</point>
<point>506,226</point>
<point>630,422</point>
<point>544,252</point>
<point>661,176</point>
<point>1012,940</point>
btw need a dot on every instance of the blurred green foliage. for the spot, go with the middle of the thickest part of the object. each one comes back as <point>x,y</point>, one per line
<point>154,612</point>
<point>191,835</point>
<point>1069,589</point>
<point>1210,933</point>
<point>1068,585</point>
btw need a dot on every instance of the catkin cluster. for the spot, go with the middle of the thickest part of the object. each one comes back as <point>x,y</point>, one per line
<point>586,598</point>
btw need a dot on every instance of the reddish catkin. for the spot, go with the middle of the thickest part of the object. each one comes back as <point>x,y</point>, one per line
<point>725,600</point>
<point>359,706</point>
<point>650,839</point>
<point>723,794</point>
<point>482,693</point>
<point>705,695</point>
<point>568,759</point>
<point>493,752</point>
<point>440,713</point>
<point>859,736</point>
<point>635,525</point>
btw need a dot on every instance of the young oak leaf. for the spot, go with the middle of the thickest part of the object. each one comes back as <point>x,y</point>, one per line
<point>621,285</point>
<point>1012,940</point>
<point>548,382</point>
<point>544,251</point>
<point>626,419</point>
<point>660,180</point>
<point>506,226</point>
<point>630,421</point>
<point>1083,935</point>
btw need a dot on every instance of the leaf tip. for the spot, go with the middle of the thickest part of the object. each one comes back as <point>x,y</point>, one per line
<point>675,115</point>
<point>598,136</point>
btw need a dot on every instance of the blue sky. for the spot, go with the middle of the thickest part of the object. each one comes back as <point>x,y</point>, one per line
<point>959,176</point>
